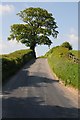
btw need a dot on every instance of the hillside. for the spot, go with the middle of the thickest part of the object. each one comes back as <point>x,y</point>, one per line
<point>64,67</point>
<point>12,62</point>
<point>76,53</point>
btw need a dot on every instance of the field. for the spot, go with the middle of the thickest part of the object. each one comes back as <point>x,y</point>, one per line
<point>63,67</point>
<point>76,53</point>
<point>12,62</point>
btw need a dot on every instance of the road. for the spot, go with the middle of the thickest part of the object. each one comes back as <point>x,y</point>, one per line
<point>34,93</point>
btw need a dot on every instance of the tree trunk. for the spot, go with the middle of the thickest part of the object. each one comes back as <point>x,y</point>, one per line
<point>33,49</point>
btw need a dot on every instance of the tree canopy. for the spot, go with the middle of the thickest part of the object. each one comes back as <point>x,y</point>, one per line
<point>39,26</point>
<point>67,45</point>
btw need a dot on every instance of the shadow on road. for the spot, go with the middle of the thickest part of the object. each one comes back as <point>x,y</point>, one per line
<point>29,81</point>
<point>34,107</point>
<point>24,79</point>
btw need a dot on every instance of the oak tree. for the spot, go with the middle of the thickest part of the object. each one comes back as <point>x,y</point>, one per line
<point>39,26</point>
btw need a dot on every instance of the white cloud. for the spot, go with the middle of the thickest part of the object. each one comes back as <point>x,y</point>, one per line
<point>6,9</point>
<point>10,46</point>
<point>73,37</point>
<point>0,46</point>
<point>72,30</point>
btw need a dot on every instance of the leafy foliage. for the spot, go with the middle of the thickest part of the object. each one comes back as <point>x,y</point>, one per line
<point>67,45</point>
<point>39,26</point>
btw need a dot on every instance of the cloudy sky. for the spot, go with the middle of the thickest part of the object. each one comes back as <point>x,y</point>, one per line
<point>65,13</point>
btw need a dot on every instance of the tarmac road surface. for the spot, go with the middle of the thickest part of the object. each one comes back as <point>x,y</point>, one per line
<point>34,93</point>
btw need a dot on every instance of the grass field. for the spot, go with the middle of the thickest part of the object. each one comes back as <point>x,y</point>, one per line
<point>11,63</point>
<point>63,67</point>
<point>76,53</point>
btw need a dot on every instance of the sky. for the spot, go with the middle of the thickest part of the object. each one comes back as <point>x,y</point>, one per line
<point>66,16</point>
<point>40,0</point>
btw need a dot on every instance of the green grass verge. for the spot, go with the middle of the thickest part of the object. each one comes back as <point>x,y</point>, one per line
<point>63,67</point>
<point>41,57</point>
<point>76,53</point>
<point>11,63</point>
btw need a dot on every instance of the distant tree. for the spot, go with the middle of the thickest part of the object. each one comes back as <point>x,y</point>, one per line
<point>39,25</point>
<point>67,45</point>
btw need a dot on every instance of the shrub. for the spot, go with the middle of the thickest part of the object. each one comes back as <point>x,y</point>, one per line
<point>67,45</point>
<point>11,63</point>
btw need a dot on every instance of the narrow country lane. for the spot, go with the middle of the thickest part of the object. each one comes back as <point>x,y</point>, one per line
<point>34,93</point>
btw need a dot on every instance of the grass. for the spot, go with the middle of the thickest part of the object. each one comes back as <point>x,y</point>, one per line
<point>12,62</point>
<point>76,53</point>
<point>41,57</point>
<point>63,67</point>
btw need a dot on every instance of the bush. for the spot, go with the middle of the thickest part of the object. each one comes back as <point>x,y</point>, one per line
<point>11,63</point>
<point>67,45</point>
